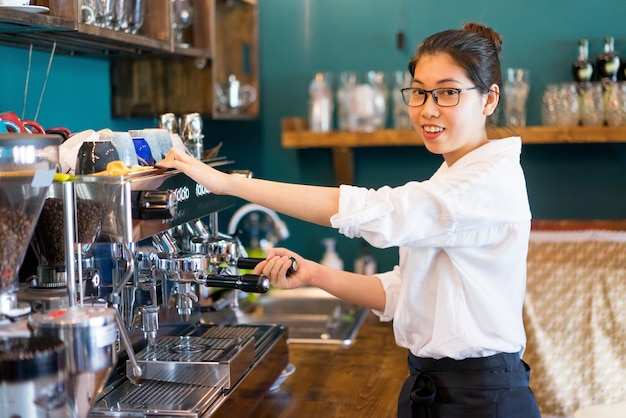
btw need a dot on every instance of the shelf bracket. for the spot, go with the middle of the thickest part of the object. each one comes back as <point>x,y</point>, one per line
<point>343,164</point>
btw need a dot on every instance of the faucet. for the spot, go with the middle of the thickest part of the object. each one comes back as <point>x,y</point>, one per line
<point>280,231</point>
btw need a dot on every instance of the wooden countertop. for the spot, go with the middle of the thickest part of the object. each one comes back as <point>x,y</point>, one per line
<point>360,380</point>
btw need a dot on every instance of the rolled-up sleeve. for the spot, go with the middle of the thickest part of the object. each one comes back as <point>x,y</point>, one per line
<point>392,283</point>
<point>358,206</point>
<point>393,217</point>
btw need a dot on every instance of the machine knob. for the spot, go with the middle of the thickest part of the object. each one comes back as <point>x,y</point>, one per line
<point>154,204</point>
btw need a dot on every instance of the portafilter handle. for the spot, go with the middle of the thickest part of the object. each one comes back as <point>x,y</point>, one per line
<point>249,263</point>
<point>251,283</point>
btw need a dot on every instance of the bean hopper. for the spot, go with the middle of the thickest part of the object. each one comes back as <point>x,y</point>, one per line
<point>32,370</point>
<point>88,330</point>
<point>27,167</point>
<point>93,199</point>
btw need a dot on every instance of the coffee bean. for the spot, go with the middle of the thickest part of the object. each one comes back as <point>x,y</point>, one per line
<point>15,232</point>
<point>50,232</point>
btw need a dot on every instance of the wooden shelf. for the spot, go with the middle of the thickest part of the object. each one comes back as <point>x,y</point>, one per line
<point>295,134</point>
<point>62,27</point>
<point>150,73</point>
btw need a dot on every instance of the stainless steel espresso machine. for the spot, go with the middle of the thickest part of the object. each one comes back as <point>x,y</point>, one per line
<point>153,334</point>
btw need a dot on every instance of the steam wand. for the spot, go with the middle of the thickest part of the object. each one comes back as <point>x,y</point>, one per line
<point>114,299</point>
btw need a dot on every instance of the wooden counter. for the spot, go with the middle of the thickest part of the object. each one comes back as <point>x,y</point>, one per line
<point>361,380</point>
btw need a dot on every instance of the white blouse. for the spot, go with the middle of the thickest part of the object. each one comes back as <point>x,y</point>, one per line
<point>463,238</point>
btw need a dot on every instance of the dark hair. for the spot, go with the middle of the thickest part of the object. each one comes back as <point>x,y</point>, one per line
<point>475,48</point>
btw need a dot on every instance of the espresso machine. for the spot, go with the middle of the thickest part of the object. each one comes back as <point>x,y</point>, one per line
<point>177,293</point>
<point>154,335</point>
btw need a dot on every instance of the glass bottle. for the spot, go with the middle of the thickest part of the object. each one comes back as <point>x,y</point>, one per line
<point>608,61</point>
<point>582,69</point>
<point>346,104</point>
<point>400,113</point>
<point>321,105</point>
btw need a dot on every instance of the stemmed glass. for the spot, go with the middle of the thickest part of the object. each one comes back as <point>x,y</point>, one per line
<point>182,18</point>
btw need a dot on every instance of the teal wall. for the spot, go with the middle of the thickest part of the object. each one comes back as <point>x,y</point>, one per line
<point>300,37</point>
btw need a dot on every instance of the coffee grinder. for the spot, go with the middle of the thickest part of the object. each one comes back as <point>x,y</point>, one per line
<point>27,167</point>
<point>93,199</point>
<point>32,370</point>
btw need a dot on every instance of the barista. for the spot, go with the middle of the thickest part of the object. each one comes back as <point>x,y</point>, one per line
<point>456,295</point>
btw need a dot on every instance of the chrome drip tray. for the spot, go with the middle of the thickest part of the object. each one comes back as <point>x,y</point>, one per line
<point>201,360</point>
<point>153,398</point>
<point>240,357</point>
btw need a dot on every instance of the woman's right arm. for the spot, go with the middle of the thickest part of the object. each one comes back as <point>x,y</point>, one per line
<point>314,204</point>
<point>366,291</point>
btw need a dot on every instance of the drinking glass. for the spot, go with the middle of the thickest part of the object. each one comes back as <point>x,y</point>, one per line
<point>548,105</point>
<point>102,12</point>
<point>129,15</point>
<point>143,151</point>
<point>158,139</point>
<point>182,18</point>
<point>191,132</point>
<point>567,104</point>
<point>516,88</point>
<point>562,106</point>
<point>615,103</point>
<point>123,143</point>
<point>591,103</point>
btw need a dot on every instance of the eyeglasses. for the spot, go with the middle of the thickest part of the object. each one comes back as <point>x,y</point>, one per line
<point>444,97</point>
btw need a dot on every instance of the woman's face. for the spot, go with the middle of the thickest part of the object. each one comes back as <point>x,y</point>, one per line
<point>450,131</point>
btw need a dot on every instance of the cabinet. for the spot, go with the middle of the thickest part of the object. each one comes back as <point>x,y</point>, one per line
<point>150,73</point>
<point>295,134</point>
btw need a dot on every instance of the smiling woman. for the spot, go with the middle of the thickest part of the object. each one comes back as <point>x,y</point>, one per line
<point>473,208</point>
<point>465,92</point>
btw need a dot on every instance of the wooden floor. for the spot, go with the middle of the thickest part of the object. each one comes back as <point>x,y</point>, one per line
<point>361,380</point>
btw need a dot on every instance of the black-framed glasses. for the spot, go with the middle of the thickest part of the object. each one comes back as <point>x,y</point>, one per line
<point>444,97</point>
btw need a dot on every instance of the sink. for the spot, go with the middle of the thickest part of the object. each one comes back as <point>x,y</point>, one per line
<point>310,314</point>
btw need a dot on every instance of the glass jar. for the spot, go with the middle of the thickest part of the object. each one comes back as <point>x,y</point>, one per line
<point>362,101</point>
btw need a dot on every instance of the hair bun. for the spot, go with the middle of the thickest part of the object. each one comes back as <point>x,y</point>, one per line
<point>487,32</point>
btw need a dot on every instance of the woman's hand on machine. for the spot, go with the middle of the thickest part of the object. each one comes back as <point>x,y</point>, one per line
<point>177,158</point>
<point>197,170</point>
<point>285,269</point>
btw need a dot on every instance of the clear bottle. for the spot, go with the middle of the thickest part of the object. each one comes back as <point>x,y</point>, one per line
<point>365,263</point>
<point>346,104</point>
<point>321,105</point>
<point>582,68</point>
<point>608,62</point>
<point>400,114</point>
<point>331,258</point>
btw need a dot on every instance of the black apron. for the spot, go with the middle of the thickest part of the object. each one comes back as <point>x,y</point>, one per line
<point>487,387</point>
